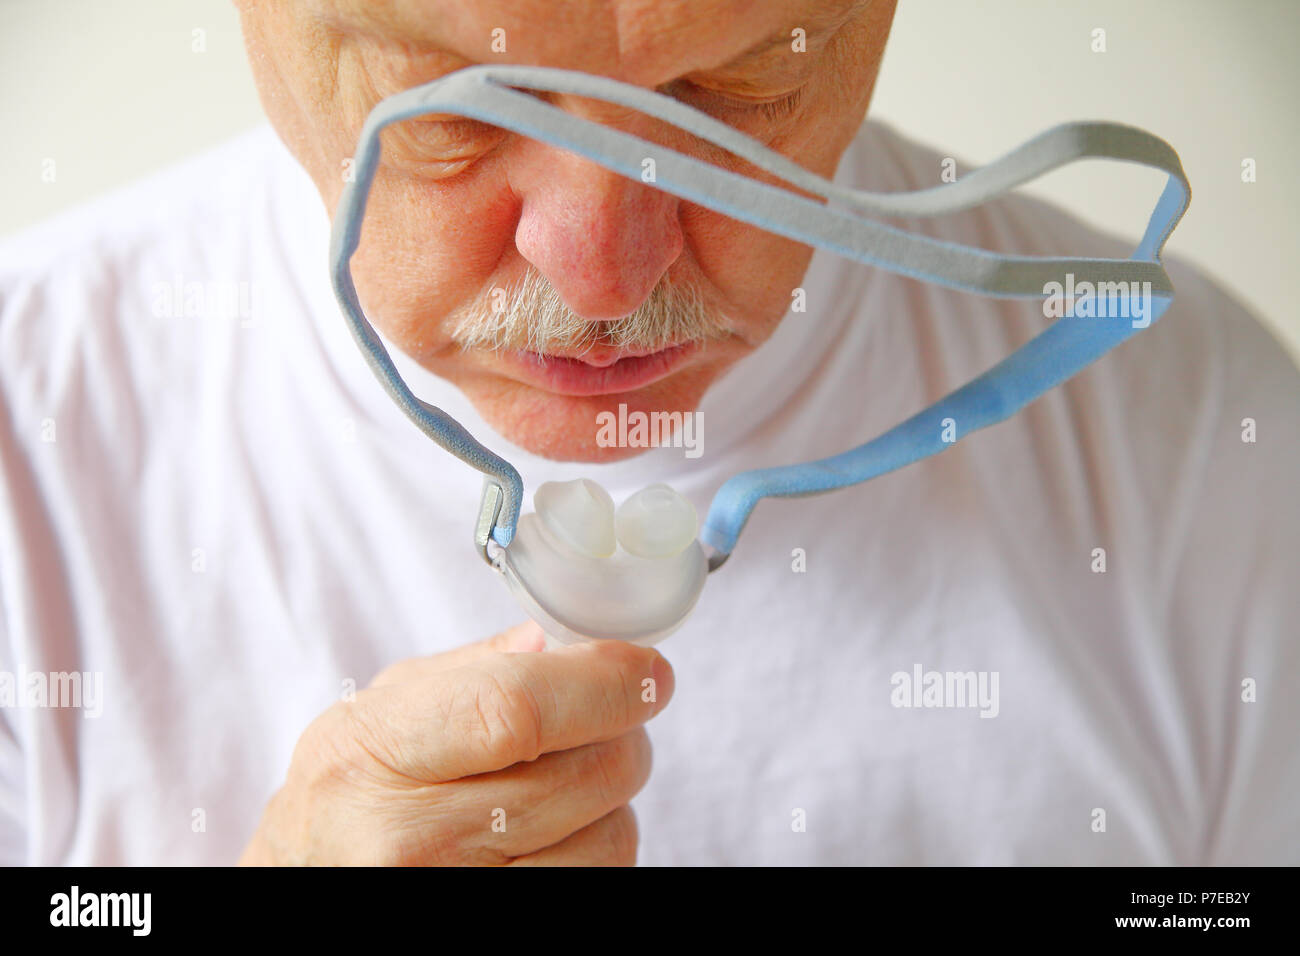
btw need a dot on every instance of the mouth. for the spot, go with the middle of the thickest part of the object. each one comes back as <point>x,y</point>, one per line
<point>598,372</point>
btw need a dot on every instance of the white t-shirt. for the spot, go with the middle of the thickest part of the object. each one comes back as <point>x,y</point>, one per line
<point>209,507</point>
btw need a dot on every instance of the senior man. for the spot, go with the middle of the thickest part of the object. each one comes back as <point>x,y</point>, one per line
<point>215,516</point>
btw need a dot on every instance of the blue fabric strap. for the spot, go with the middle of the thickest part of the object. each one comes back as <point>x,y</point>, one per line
<point>1136,290</point>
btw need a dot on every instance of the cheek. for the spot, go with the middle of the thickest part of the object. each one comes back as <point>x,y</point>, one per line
<point>756,271</point>
<point>428,248</point>
<point>753,271</point>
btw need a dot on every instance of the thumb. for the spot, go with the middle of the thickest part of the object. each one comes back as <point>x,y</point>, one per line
<point>521,638</point>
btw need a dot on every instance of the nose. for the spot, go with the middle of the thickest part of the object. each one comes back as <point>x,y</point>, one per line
<point>601,239</point>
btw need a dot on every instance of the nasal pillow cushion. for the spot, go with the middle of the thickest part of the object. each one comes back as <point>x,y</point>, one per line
<point>586,572</point>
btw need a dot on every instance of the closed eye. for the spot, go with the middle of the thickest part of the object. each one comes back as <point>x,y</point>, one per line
<point>439,146</point>
<point>771,109</point>
<point>442,145</point>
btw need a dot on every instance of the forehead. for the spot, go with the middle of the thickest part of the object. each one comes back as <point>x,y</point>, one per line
<point>648,42</point>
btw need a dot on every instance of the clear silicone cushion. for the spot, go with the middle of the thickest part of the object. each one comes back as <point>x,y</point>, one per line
<point>585,574</point>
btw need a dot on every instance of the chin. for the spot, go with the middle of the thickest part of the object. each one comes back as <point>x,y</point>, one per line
<point>569,428</point>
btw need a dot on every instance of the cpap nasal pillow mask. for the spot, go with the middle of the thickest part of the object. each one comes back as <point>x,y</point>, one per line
<point>585,569</point>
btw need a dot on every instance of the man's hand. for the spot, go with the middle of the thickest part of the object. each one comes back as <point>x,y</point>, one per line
<point>487,754</point>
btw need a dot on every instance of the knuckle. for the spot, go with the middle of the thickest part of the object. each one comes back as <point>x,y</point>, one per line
<point>392,674</point>
<point>346,745</point>
<point>322,750</point>
<point>347,801</point>
<point>508,714</point>
<point>400,846</point>
<point>621,837</point>
<point>617,767</point>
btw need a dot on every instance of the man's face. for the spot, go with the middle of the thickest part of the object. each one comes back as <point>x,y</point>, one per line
<point>614,292</point>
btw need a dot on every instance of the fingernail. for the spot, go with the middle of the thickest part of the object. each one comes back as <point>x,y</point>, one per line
<point>662,673</point>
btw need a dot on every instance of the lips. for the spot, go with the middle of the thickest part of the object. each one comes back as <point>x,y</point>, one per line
<point>604,372</point>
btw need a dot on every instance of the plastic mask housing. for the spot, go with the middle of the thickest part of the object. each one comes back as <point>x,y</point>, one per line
<point>587,571</point>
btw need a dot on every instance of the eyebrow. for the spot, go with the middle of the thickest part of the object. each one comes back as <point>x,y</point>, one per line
<point>817,23</point>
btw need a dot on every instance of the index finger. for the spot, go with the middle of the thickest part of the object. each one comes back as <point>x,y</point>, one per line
<point>525,636</point>
<point>497,711</point>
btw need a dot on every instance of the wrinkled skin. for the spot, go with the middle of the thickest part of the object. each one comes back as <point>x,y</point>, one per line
<point>459,208</point>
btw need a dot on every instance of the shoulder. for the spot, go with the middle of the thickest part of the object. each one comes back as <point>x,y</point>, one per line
<point>1190,428</point>
<point>175,208</point>
<point>93,295</point>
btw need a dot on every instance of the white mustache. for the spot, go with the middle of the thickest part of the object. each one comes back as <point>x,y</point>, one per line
<point>535,319</point>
